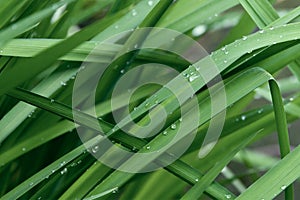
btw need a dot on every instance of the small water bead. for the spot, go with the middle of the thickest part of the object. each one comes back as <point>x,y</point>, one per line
<point>271,28</point>
<point>52,100</point>
<point>261,31</point>
<point>165,133</point>
<point>227,196</point>
<point>192,78</point>
<point>134,13</point>
<point>260,111</point>
<point>64,171</point>
<point>245,38</point>
<point>243,117</point>
<point>291,99</point>
<point>62,83</point>
<point>225,61</point>
<point>280,36</point>
<point>95,149</point>
<point>283,187</point>
<point>116,26</point>
<point>122,71</point>
<point>31,184</point>
<point>173,126</point>
<point>196,179</point>
<point>199,30</point>
<point>136,46</point>
<point>23,149</point>
<point>150,3</point>
<point>180,119</point>
<point>148,147</point>
<point>62,163</point>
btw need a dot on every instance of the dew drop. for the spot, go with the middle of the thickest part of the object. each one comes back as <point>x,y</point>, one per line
<point>134,13</point>
<point>180,119</point>
<point>225,61</point>
<point>260,111</point>
<point>261,31</point>
<point>62,83</point>
<point>150,3</point>
<point>165,133</point>
<point>116,26</point>
<point>227,196</point>
<point>280,36</point>
<point>173,126</point>
<point>23,149</point>
<point>199,30</point>
<point>122,71</point>
<point>136,46</point>
<point>148,147</point>
<point>283,187</point>
<point>95,149</point>
<point>291,99</point>
<point>31,184</point>
<point>243,117</point>
<point>52,100</point>
<point>196,179</point>
<point>64,171</point>
<point>192,78</point>
<point>245,38</point>
<point>271,28</point>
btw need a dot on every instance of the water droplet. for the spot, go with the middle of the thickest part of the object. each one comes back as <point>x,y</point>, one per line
<point>291,99</point>
<point>243,117</point>
<point>271,28</point>
<point>196,179</point>
<point>62,163</point>
<point>283,187</point>
<point>245,38</point>
<point>23,149</point>
<point>237,119</point>
<point>52,100</point>
<point>14,27</point>
<point>1,51</point>
<point>199,30</point>
<point>116,26</point>
<point>31,184</point>
<point>134,13</point>
<point>227,196</point>
<point>79,161</point>
<point>260,111</point>
<point>280,36</point>
<point>147,104</point>
<point>192,78</point>
<point>95,149</point>
<point>261,31</point>
<point>150,3</point>
<point>180,119</point>
<point>225,61</point>
<point>216,15</point>
<point>165,133</point>
<point>136,46</point>
<point>135,108</point>
<point>64,171</point>
<point>122,71</point>
<point>134,148</point>
<point>173,126</point>
<point>62,83</point>
<point>148,147</point>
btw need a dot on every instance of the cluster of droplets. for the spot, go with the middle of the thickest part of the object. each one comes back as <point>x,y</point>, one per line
<point>64,171</point>
<point>31,114</point>
<point>95,149</point>
<point>134,12</point>
<point>191,74</point>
